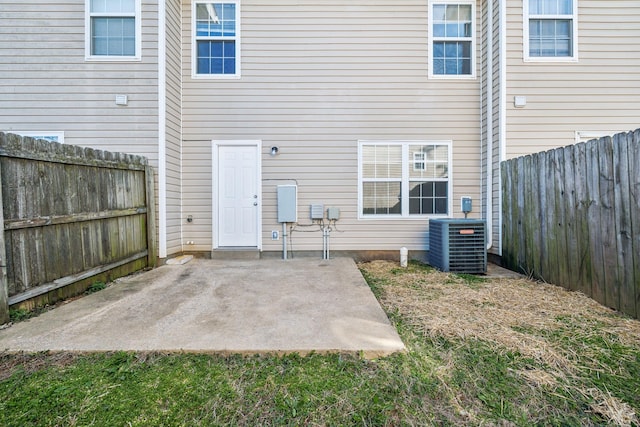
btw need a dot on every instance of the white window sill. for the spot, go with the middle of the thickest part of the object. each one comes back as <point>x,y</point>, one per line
<point>112,58</point>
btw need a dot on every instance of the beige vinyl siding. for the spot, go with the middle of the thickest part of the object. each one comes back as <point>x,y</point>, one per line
<point>599,92</point>
<point>196,196</point>
<point>317,77</point>
<point>173,126</point>
<point>47,84</point>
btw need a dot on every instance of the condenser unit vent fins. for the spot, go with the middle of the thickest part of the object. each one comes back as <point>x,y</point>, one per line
<point>458,245</point>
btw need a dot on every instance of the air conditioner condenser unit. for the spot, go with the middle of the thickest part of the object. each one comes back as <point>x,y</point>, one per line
<point>458,245</point>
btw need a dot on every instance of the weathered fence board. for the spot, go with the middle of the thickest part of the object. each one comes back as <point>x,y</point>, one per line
<point>4,276</point>
<point>528,234</point>
<point>634,185</point>
<point>557,188</point>
<point>570,219</point>
<point>506,187</point>
<point>607,222</point>
<point>595,244</point>
<point>577,221</point>
<point>541,242</point>
<point>70,213</point>
<point>520,209</point>
<point>581,209</point>
<point>623,222</point>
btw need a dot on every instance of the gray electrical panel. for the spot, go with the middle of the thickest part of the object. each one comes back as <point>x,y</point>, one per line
<point>287,203</point>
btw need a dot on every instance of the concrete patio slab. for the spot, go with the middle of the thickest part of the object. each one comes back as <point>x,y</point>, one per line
<point>220,306</point>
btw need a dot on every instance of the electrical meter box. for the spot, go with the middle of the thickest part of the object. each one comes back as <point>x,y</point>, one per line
<point>333,214</point>
<point>465,203</point>
<point>287,203</point>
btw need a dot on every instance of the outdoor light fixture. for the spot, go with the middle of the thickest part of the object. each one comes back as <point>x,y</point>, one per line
<point>274,151</point>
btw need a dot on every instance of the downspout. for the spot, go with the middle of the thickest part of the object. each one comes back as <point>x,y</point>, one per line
<point>503,109</point>
<point>162,133</point>
<point>489,83</point>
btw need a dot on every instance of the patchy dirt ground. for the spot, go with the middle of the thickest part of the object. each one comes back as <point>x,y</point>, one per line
<point>517,315</point>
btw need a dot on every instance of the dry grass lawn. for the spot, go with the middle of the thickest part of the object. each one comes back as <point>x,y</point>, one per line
<point>517,315</point>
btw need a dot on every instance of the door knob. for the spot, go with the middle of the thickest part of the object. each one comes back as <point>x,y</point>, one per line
<point>255,203</point>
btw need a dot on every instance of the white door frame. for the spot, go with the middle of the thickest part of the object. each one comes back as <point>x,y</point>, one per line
<point>214,169</point>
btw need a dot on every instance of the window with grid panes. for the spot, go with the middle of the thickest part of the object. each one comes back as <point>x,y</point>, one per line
<point>550,26</point>
<point>113,29</point>
<point>452,39</point>
<point>403,179</point>
<point>216,44</point>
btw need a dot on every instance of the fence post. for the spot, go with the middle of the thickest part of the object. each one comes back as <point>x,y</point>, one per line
<point>151,216</point>
<point>4,287</point>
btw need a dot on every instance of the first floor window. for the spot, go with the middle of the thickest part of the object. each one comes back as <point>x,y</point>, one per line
<point>216,30</point>
<point>46,135</point>
<point>401,179</point>
<point>584,136</point>
<point>113,28</point>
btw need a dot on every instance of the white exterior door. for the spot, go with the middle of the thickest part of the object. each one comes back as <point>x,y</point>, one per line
<point>238,195</point>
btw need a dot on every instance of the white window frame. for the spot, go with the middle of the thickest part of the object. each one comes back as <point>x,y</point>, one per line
<point>574,35</point>
<point>112,58</point>
<point>194,45</point>
<point>55,136</point>
<point>405,180</point>
<point>472,39</point>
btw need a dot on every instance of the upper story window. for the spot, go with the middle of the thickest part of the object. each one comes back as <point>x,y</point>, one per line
<point>550,30</point>
<point>216,30</point>
<point>452,38</point>
<point>113,30</point>
<point>404,179</point>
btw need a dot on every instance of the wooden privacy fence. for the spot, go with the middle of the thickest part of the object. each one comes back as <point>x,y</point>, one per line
<point>71,216</point>
<point>571,217</point>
